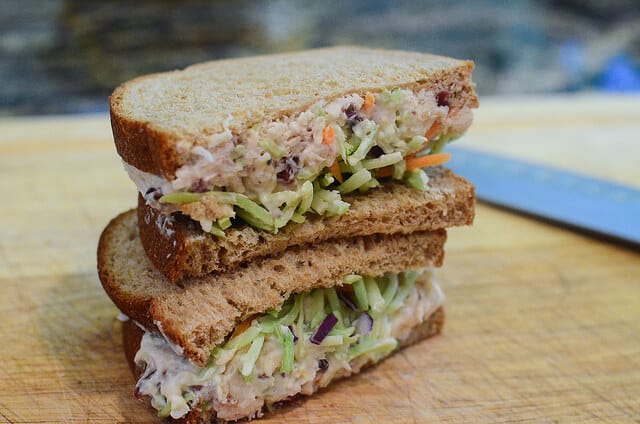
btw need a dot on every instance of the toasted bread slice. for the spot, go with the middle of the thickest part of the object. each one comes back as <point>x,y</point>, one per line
<point>198,314</point>
<point>156,118</point>
<point>179,248</point>
<point>132,335</point>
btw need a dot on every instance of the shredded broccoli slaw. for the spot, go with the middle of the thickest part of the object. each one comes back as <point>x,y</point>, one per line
<point>277,172</point>
<point>313,339</point>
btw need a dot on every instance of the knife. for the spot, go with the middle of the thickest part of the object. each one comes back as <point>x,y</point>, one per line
<point>580,201</point>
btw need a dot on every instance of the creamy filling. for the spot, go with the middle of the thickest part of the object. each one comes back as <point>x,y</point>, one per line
<point>296,350</point>
<point>309,159</point>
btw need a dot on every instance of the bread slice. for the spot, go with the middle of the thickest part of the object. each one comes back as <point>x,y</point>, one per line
<point>198,314</point>
<point>156,118</point>
<point>179,248</point>
<point>132,334</point>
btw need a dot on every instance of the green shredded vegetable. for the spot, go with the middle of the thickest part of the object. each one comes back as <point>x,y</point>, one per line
<point>216,230</point>
<point>272,148</point>
<point>394,96</point>
<point>365,131</point>
<point>391,288</point>
<point>224,223</point>
<point>286,337</point>
<point>360,291</point>
<point>257,211</point>
<point>306,197</point>
<point>382,161</point>
<point>383,346</point>
<point>250,358</point>
<point>243,339</point>
<point>180,197</point>
<point>354,181</point>
<point>297,218</point>
<point>399,170</point>
<point>351,278</point>
<point>376,302</point>
<point>418,179</point>
<point>165,411</point>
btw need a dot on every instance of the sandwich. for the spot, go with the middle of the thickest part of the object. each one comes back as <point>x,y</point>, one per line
<point>292,210</point>
<point>274,151</point>
<point>234,345</point>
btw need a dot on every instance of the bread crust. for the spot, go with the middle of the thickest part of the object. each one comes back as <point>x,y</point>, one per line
<point>156,117</point>
<point>132,335</point>
<point>198,314</point>
<point>180,249</point>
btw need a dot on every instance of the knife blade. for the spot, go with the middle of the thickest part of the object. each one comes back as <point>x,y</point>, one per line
<point>581,201</point>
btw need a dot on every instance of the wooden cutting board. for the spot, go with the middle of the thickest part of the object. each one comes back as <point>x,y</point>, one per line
<point>543,324</point>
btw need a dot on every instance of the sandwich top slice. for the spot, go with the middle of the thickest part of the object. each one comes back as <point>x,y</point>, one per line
<point>230,345</point>
<point>269,139</point>
<point>179,248</point>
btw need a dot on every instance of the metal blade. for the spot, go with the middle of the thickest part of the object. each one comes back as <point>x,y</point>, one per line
<point>589,203</point>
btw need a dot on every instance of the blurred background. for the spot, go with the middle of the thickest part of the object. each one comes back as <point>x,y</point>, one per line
<point>66,56</point>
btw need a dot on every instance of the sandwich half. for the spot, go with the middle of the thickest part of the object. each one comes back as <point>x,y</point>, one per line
<point>229,346</point>
<point>269,141</point>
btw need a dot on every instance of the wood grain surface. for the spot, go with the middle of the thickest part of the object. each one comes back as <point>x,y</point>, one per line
<point>543,324</point>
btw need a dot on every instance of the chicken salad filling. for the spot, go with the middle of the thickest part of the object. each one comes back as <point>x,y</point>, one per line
<point>278,171</point>
<point>314,338</point>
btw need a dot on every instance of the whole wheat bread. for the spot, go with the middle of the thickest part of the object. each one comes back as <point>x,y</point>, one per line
<point>156,118</point>
<point>179,248</point>
<point>132,334</point>
<point>198,314</point>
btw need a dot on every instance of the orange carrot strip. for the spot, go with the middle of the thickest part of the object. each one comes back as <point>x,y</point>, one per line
<point>387,171</point>
<point>328,135</point>
<point>335,170</point>
<point>243,326</point>
<point>428,160</point>
<point>369,102</point>
<point>433,131</point>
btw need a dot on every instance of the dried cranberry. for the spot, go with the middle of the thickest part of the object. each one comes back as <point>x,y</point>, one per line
<point>153,193</point>
<point>288,169</point>
<point>199,186</point>
<point>350,111</point>
<point>443,98</point>
<point>352,116</point>
<point>323,365</point>
<point>376,152</point>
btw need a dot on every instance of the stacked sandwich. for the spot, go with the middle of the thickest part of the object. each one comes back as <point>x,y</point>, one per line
<point>292,210</point>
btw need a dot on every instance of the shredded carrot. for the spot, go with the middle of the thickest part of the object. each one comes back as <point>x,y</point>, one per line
<point>243,326</point>
<point>369,102</point>
<point>433,131</point>
<point>413,162</point>
<point>411,156</point>
<point>428,160</point>
<point>335,170</point>
<point>387,171</point>
<point>328,136</point>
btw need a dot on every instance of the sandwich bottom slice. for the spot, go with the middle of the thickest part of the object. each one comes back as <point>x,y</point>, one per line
<point>316,338</point>
<point>229,346</point>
